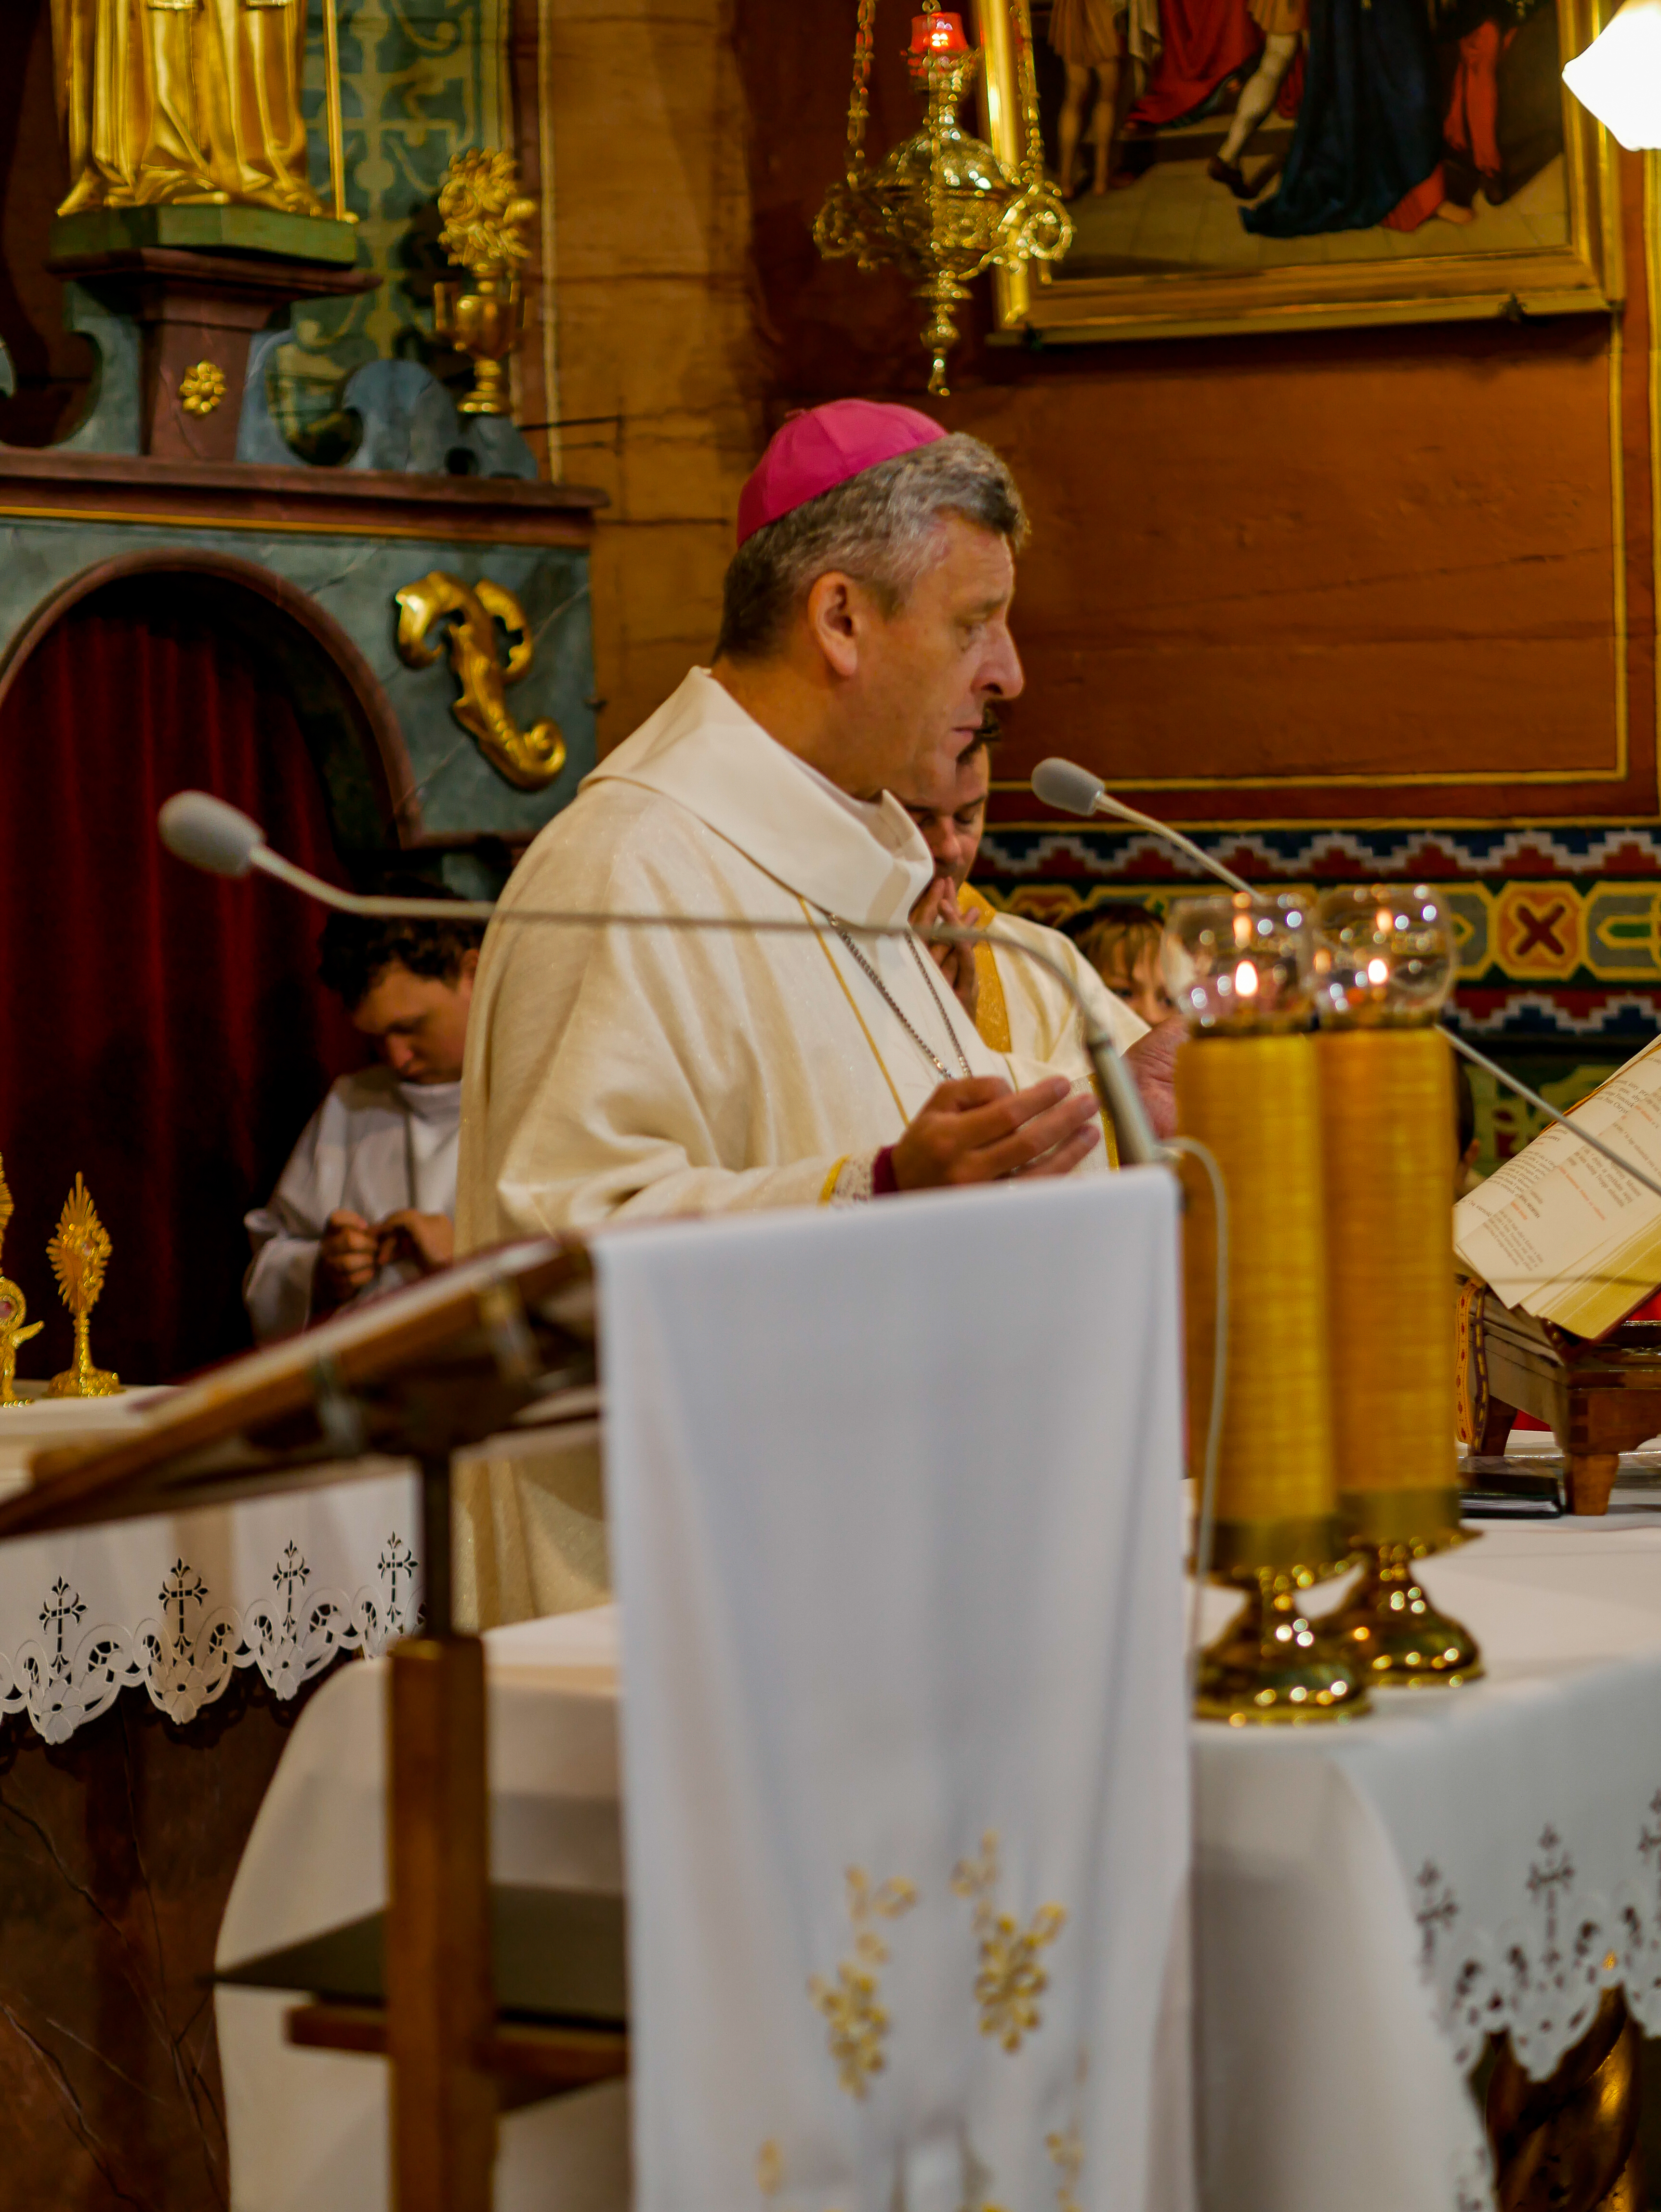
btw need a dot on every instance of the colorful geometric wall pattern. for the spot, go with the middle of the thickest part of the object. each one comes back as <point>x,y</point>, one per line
<point>420,81</point>
<point>1557,933</point>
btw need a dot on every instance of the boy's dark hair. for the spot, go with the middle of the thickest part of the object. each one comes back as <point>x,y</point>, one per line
<point>355,950</point>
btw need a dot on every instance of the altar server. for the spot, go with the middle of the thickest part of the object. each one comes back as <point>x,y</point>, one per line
<point>621,1071</point>
<point>368,1200</point>
<point>1016,1003</point>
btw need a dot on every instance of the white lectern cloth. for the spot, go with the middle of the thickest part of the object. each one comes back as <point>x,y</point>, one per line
<point>900,1586</point>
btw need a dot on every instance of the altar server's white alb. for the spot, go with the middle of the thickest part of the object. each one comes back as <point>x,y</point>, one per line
<point>374,1146</point>
<point>694,1072</point>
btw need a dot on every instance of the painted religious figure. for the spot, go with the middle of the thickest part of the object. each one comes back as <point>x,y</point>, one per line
<point>191,101</point>
<point>1237,135</point>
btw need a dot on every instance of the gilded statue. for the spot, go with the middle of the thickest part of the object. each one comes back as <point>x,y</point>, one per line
<point>195,102</point>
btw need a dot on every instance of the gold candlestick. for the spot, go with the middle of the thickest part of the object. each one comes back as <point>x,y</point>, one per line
<point>1385,957</point>
<point>1246,1089</point>
<point>13,1310</point>
<point>485,221</point>
<point>79,1252</point>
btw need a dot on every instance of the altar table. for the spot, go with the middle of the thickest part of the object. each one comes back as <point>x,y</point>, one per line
<point>1374,1898</point>
<point>151,1670</point>
<point>171,1605</point>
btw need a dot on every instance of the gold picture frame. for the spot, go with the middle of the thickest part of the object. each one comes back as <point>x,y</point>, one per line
<point>1043,302</point>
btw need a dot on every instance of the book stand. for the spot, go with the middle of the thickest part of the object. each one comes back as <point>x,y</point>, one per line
<point>419,1375</point>
<point>1599,1399</point>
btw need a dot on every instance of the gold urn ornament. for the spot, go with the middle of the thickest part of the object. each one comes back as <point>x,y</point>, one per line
<point>485,221</point>
<point>942,206</point>
<point>79,1252</point>
<point>13,1312</point>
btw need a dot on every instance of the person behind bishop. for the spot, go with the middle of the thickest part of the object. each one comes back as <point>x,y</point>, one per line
<point>1019,1004</point>
<point>617,1073</point>
<point>368,1200</point>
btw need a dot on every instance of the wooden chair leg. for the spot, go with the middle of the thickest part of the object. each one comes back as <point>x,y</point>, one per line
<point>1591,1479</point>
<point>1496,1429</point>
<point>441,2011</point>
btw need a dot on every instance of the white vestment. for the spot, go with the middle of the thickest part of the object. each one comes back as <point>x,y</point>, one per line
<point>630,1071</point>
<point>374,1146</point>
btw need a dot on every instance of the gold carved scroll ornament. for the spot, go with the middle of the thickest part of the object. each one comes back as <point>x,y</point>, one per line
<point>529,758</point>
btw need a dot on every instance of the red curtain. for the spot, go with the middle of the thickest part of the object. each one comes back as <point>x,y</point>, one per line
<point>161,1030</point>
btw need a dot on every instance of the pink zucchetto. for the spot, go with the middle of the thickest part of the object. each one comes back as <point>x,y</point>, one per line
<point>824,447</point>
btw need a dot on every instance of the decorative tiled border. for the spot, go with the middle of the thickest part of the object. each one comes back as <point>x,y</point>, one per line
<point>1108,855</point>
<point>1541,956</point>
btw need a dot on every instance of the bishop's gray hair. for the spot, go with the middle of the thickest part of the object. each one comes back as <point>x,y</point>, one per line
<point>881,527</point>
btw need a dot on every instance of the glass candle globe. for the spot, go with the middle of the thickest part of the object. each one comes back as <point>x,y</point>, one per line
<point>1241,962</point>
<point>1383,956</point>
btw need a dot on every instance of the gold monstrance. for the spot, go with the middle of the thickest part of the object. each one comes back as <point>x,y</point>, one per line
<point>79,1252</point>
<point>12,1312</point>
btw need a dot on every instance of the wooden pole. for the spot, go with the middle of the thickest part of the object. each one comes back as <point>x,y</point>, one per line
<point>331,106</point>
<point>441,2008</point>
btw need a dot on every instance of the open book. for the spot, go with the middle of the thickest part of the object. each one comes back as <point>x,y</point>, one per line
<point>1559,1231</point>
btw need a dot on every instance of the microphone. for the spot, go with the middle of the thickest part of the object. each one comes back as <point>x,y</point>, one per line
<point>1071,789</point>
<point>209,834</point>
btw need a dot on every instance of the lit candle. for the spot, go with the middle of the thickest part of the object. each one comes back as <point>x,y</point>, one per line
<point>938,32</point>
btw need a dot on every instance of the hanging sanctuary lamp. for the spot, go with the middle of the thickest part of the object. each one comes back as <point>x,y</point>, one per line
<point>942,206</point>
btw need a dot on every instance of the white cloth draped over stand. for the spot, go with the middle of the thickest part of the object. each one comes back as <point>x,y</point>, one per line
<point>906,1868</point>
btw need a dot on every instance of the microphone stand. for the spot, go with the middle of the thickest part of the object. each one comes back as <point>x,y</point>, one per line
<point>1120,1100</point>
<point>1103,803</point>
<point>1138,1147</point>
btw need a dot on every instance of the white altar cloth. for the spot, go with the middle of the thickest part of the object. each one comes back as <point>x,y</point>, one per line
<point>1373,1897</point>
<point>172,1604</point>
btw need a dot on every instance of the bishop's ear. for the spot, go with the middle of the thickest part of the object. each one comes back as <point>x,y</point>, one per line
<point>836,610</point>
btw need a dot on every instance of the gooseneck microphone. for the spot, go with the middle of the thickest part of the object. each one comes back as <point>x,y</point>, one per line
<point>217,837</point>
<point>1071,789</point>
<point>209,834</point>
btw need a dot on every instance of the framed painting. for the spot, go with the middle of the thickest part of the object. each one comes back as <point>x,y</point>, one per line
<point>1275,164</point>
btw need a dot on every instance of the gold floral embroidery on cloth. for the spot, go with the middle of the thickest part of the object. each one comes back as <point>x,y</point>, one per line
<point>858,2024</point>
<point>1067,2154</point>
<point>769,2172</point>
<point>1010,1981</point>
